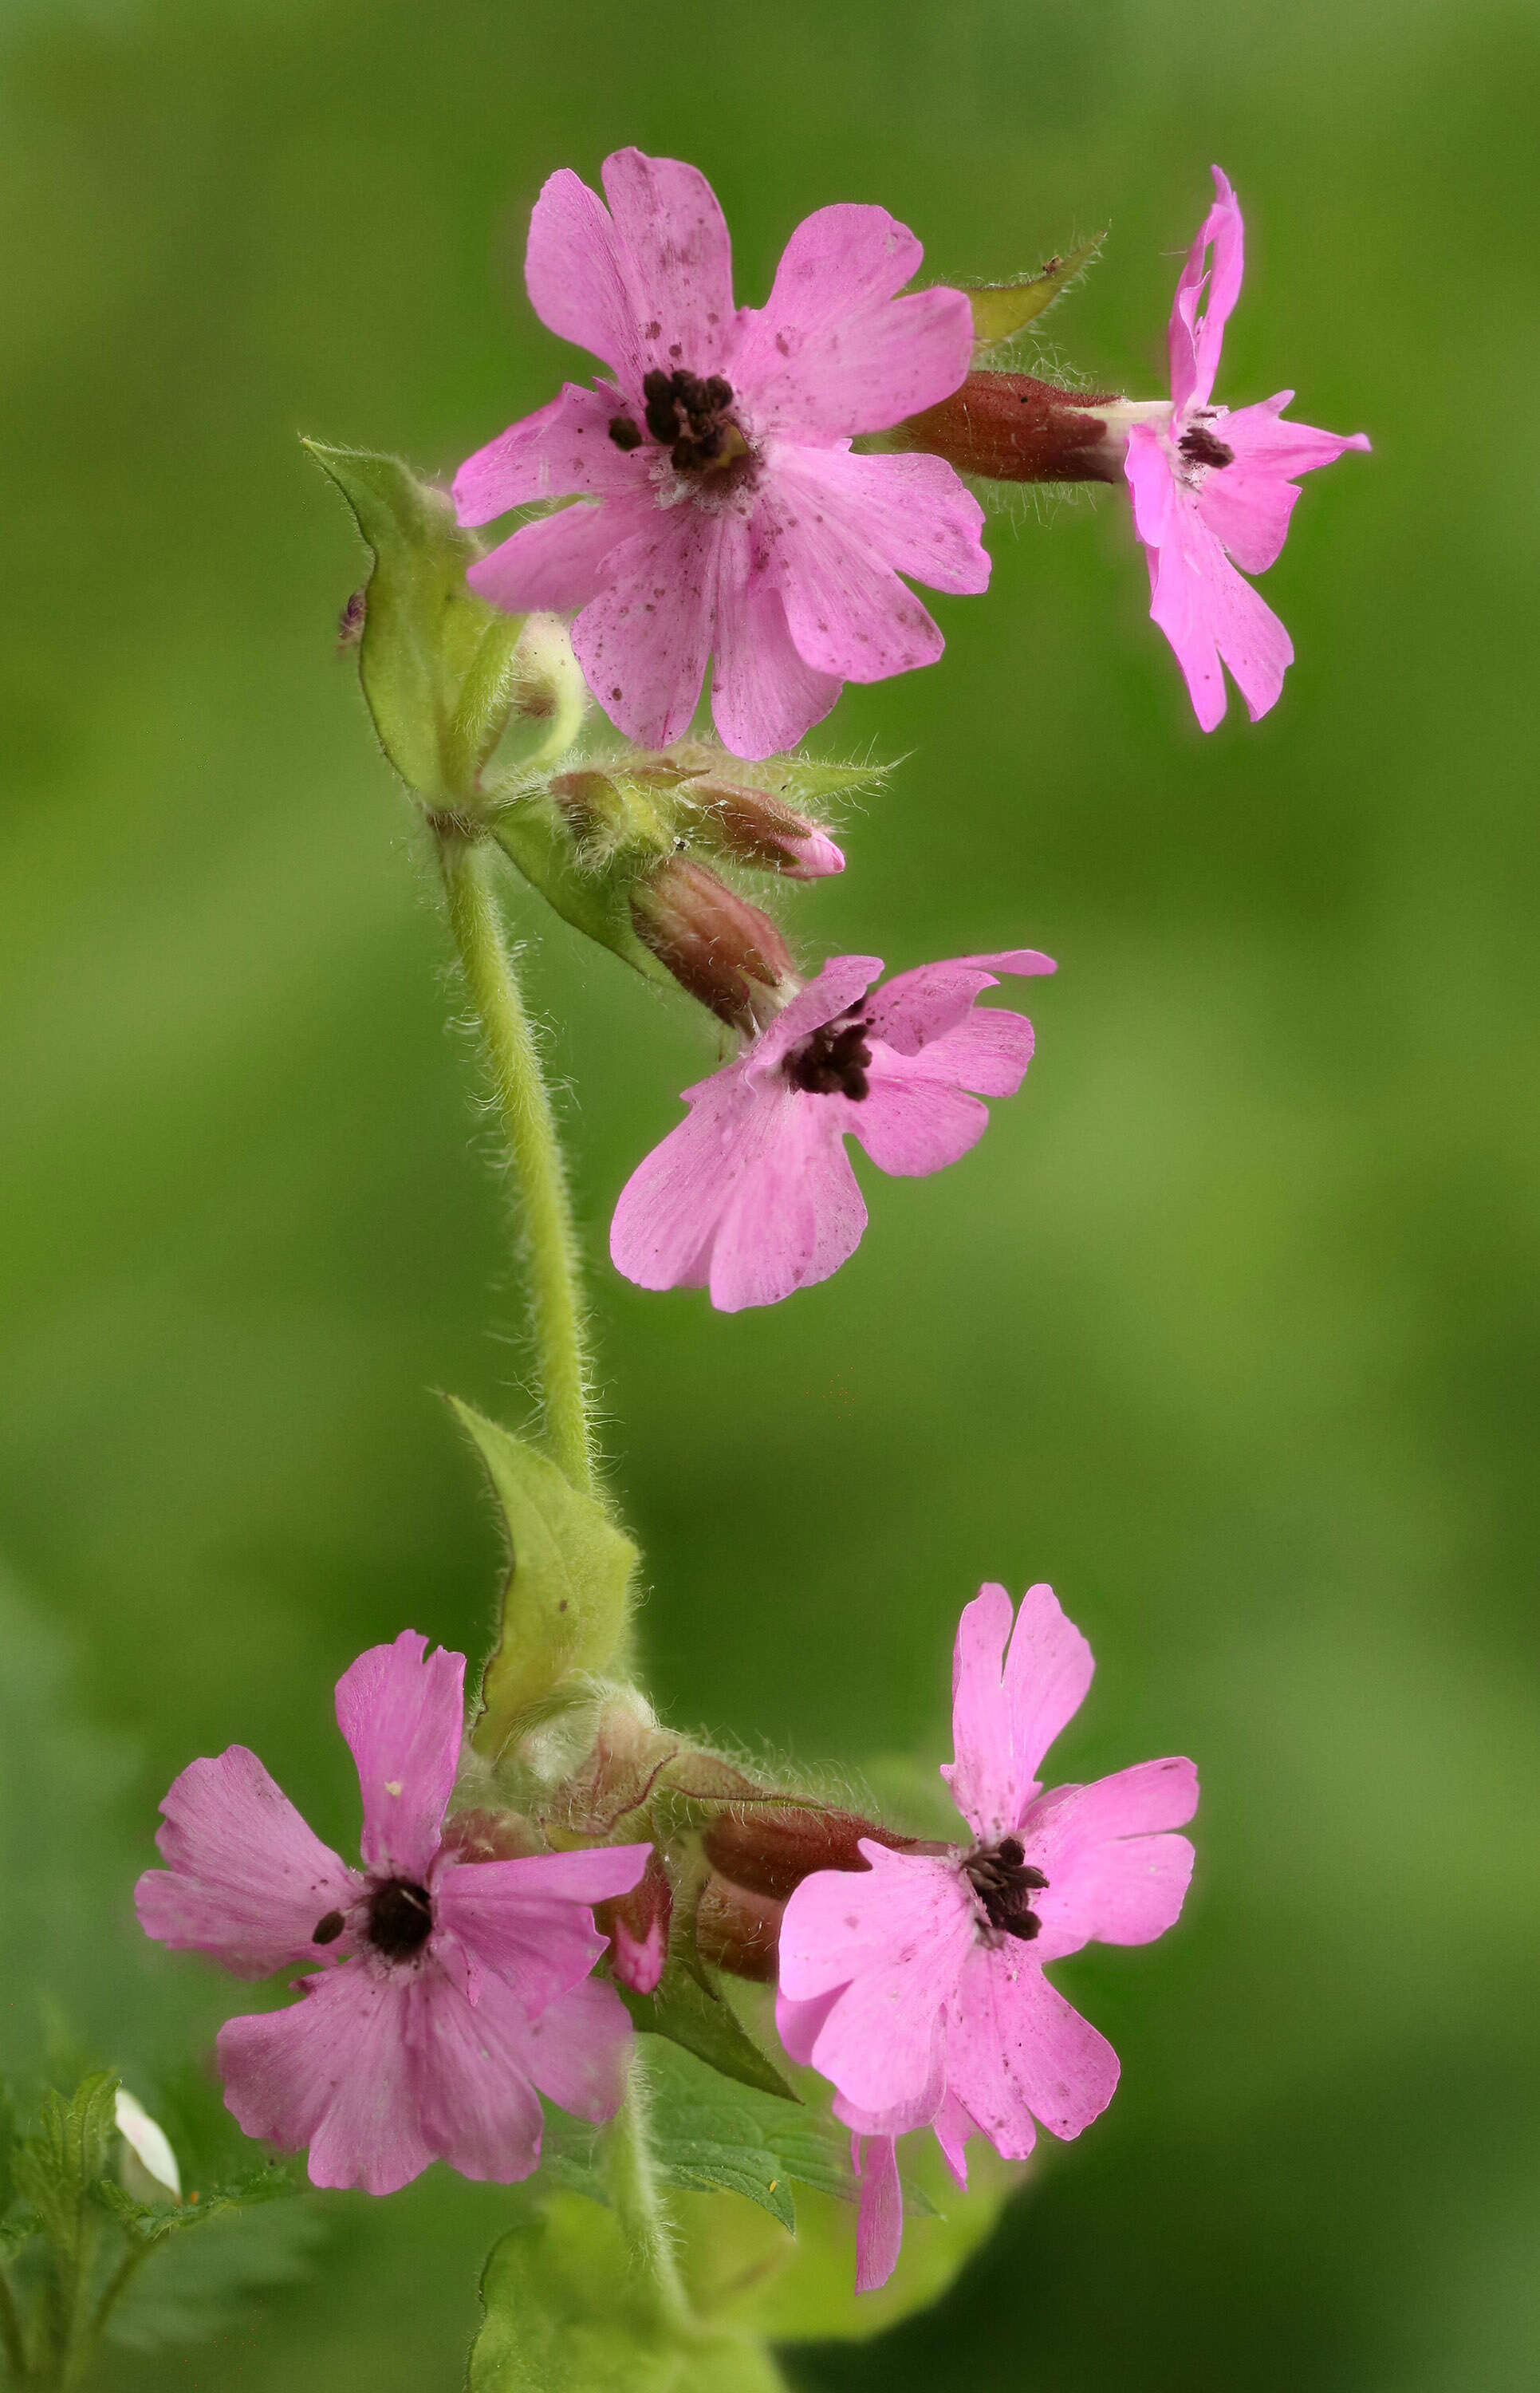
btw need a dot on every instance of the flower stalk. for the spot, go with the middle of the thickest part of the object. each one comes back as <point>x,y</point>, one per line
<point>527,1120</point>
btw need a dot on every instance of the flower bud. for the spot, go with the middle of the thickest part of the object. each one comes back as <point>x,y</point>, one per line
<point>637,1926</point>
<point>718,947</point>
<point>755,827</point>
<point>545,684</point>
<point>768,1849</point>
<point>148,2165</point>
<point>1010,427</point>
<point>739,1931</point>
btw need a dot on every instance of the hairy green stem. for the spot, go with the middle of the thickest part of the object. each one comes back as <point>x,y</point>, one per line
<point>528,1125</point>
<point>638,2203</point>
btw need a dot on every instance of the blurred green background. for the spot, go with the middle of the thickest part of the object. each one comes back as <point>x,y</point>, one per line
<point>1229,1328</point>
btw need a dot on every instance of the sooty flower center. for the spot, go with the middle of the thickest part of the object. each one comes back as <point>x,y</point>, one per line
<point>1201,447</point>
<point>1005,1882</point>
<point>833,1061</point>
<point>401,1918</point>
<point>688,417</point>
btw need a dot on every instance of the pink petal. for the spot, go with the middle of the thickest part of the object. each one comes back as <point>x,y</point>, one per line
<point>848,612</point>
<point>1209,614</point>
<point>247,1881</point>
<point>478,2106</point>
<point>1248,505</point>
<point>952,2126</point>
<point>988,1054</point>
<point>841,1922</point>
<point>1017,2052</point>
<point>643,640</point>
<point>916,1006</point>
<point>799,2024</point>
<point>1004,1721</point>
<point>763,697</point>
<point>899,1934</point>
<point>680,256</point>
<point>1113,1873</point>
<point>559,562</point>
<point>830,993</point>
<point>335,2071</point>
<point>401,1710</point>
<point>579,278</point>
<point>579,2048</point>
<point>910,512</point>
<point>912,1121</point>
<point>833,352</point>
<point>793,1212</point>
<point>1195,343</point>
<point>880,2217</point>
<point>669,1209</point>
<point>530,1921</point>
<point>564,447</point>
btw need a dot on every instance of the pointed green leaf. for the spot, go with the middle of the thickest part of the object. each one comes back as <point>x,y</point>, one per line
<point>686,2012</point>
<point>58,2167</point>
<point>565,1603</point>
<point>709,2135</point>
<point>564,2311</point>
<point>593,895</point>
<point>1002,309</point>
<point>434,658</point>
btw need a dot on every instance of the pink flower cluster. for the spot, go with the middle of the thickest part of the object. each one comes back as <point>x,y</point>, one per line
<point>917,1987</point>
<point>719,511</point>
<point>441,1998</point>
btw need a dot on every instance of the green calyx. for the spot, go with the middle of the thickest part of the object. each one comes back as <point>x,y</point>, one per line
<point>1003,309</point>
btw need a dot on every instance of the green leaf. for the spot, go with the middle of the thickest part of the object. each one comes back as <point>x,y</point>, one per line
<point>591,892</point>
<point>1002,309</point>
<point>435,660</point>
<point>742,2270</point>
<point>564,2311</point>
<point>58,2167</point>
<point>566,1602</point>
<point>685,2011</point>
<point>708,2134</point>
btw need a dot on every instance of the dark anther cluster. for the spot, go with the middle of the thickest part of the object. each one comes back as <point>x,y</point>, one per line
<point>1005,1881</point>
<point>688,415</point>
<point>401,1918</point>
<point>833,1061</point>
<point>1202,447</point>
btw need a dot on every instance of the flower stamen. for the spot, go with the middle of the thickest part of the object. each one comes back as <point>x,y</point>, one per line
<point>401,1918</point>
<point>1004,1881</point>
<point>833,1061</point>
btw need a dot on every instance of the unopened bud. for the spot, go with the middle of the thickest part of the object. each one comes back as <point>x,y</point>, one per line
<point>718,947</point>
<point>739,1931</point>
<point>755,827</point>
<point>637,1926</point>
<point>770,1848</point>
<point>1010,427</point>
<point>546,684</point>
<point>150,2170</point>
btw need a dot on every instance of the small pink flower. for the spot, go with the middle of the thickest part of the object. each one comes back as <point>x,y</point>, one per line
<point>730,516</point>
<point>1211,485</point>
<point>917,1986</point>
<point>447,1992</point>
<point>753,1195</point>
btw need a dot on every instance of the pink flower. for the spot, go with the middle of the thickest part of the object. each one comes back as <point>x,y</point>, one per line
<point>447,1992</point>
<point>753,1195</point>
<point>731,517</point>
<point>1212,484</point>
<point>917,1986</point>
